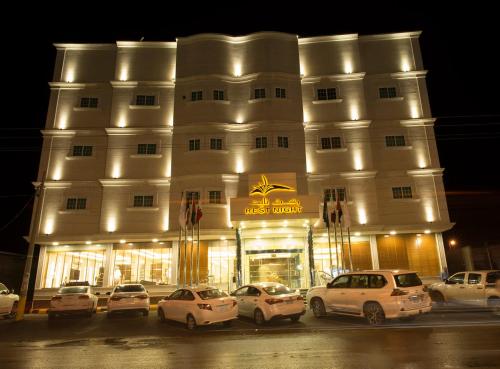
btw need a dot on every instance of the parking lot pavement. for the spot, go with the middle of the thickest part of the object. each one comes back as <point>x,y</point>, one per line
<point>37,327</point>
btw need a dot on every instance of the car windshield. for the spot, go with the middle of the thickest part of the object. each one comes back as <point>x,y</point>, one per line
<point>277,290</point>
<point>66,290</point>
<point>211,294</point>
<point>130,288</point>
<point>490,277</point>
<point>3,287</point>
<point>407,280</point>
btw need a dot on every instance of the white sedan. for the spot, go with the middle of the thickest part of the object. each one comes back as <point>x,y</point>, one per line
<point>198,306</point>
<point>269,300</point>
<point>73,300</point>
<point>128,297</point>
<point>8,302</point>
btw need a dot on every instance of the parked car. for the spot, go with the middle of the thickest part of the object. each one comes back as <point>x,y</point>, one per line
<point>198,306</point>
<point>8,302</point>
<point>73,300</point>
<point>128,297</point>
<point>267,301</point>
<point>374,295</point>
<point>478,288</point>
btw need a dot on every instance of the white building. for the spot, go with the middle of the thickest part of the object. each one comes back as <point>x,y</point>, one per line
<point>132,125</point>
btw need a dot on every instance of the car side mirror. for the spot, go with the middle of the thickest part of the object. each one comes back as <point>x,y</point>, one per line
<point>108,293</point>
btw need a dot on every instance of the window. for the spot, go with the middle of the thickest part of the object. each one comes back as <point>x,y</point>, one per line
<point>359,281</point>
<point>143,201</point>
<point>216,144</point>
<point>402,192</point>
<point>214,197</point>
<point>89,102</point>
<point>394,141</point>
<point>457,278</point>
<point>328,143</point>
<point>252,291</point>
<point>260,93</point>
<point>327,93</point>
<point>196,95</point>
<point>387,92</point>
<point>283,142</point>
<point>474,278</point>
<point>331,194</point>
<point>260,142</point>
<point>280,93</point>
<point>241,292</point>
<point>194,145</point>
<point>145,100</point>
<point>492,277</point>
<point>407,280</point>
<point>340,282</point>
<point>75,203</point>
<point>80,150</point>
<point>192,195</point>
<point>218,95</point>
<point>146,149</point>
<point>211,294</point>
<point>377,281</point>
<point>187,296</point>
<point>176,295</point>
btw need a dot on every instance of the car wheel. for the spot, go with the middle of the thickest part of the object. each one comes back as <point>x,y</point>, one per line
<point>228,323</point>
<point>190,322</point>
<point>295,318</point>
<point>145,312</point>
<point>161,315</point>
<point>374,313</point>
<point>318,307</point>
<point>258,317</point>
<point>13,311</point>
<point>437,297</point>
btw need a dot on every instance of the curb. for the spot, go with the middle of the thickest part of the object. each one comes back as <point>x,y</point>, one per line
<point>100,309</point>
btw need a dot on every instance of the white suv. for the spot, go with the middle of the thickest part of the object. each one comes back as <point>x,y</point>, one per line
<point>8,302</point>
<point>373,294</point>
<point>479,288</point>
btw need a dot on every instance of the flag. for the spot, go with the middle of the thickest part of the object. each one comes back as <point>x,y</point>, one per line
<point>347,217</point>
<point>182,212</point>
<point>199,213</point>
<point>325,213</point>
<point>193,212</point>
<point>338,208</point>
<point>333,215</point>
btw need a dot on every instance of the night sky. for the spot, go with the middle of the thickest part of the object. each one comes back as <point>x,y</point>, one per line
<point>459,46</point>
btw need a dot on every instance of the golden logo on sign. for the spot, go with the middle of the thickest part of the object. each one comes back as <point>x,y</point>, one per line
<point>264,188</point>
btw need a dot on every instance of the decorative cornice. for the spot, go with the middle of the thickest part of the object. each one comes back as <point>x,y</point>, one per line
<point>136,131</point>
<point>147,44</point>
<point>134,84</point>
<point>410,74</point>
<point>68,46</point>
<point>334,77</point>
<point>230,178</point>
<point>53,184</point>
<point>134,182</point>
<point>332,38</point>
<point>235,39</point>
<point>54,85</point>
<point>420,122</point>
<point>426,172</point>
<point>350,124</point>
<point>390,36</point>
<point>58,132</point>
<point>246,78</point>
<point>359,174</point>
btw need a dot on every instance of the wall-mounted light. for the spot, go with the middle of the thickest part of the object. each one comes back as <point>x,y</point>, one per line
<point>354,113</point>
<point>57,174</point>
<point>116,172</point>
<point>49,227</point>
<point>123,241</point>
<point>237,69</point>
<point>414,113</point>
<point>358,161</point>
<point>239,119</point>
<point>88,242</point>
<point>348,67</point>
<point>362,216</point>
<point>111,224</point>
<point>239,166</point>
<point>70,75</point>
<point>392,233</point>
<point>427,231</point>
<point>124,74</point>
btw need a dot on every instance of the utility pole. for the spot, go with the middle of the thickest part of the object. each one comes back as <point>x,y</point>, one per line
<point>34,230</point>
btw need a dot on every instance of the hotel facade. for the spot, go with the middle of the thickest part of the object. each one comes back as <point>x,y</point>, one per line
<point>132,126</point>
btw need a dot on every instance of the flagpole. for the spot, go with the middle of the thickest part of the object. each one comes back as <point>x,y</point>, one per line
<point>179,258</point>
<point>344,264</point>
<point>336,245</point>
<point>191,261</point>
<point>198,256</point>
<point>349,245</point>
<point>185,255</point>
<point>330,248</point>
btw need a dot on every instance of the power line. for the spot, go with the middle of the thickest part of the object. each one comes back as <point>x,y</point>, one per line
<point>17,215</point>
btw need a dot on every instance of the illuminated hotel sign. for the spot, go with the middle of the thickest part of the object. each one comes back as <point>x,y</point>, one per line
<point>265,206</point>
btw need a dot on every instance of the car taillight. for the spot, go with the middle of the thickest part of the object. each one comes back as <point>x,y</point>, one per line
<point>83,297</point>
<point>235,303</point>
<point>273,301</point>
<point>142,297</point>
<point>300,298</point>
<point>425,288</point>
<point>398,292</point>
<point>56,298</point>
<point>205,306</point>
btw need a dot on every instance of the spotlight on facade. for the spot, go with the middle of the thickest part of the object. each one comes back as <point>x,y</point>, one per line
<point>55,243</point>
<point>427,231</point>
<point>88,242</point>
<point>392,233</point>
<point>123,241</point>
<point>155,240</point>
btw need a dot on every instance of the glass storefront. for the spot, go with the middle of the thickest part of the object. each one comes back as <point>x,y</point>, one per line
<point>149,264</point>
<point>222,264</point>
<point>65,266</point>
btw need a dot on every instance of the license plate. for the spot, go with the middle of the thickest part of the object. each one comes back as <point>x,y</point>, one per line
<point>416,298</point>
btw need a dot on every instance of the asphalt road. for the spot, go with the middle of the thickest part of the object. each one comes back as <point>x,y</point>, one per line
<point>444,340</point>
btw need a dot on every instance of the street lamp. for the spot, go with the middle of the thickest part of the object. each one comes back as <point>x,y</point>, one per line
<point>452,243</point>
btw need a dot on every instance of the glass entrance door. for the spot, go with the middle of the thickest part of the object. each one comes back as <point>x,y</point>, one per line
<point>280,267</point>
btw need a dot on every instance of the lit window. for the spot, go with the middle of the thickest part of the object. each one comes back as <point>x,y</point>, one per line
<point>80,150</point>
<point>194,145</point>
<point>214,197</point>
<point>74,203</point>
<point>280,93</point>
<point>387,92</point>
<point>196,95</point>
<point>402,192</point>
<point>283,142</point>
<point>328,143</point>
<point>260,93</point>
<point>394,141</point>
<point>218,95</point>
<point>145,100</point>
<point>216,144</point>
<point>146,149</point>
<point>192,195</point>
<point>89,102</point>
<point>327,93</point>
<point>143,201</point>
<point>260,142</point>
